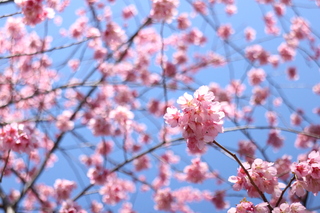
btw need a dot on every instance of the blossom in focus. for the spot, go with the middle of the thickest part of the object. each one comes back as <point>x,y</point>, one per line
<point>201,118</point>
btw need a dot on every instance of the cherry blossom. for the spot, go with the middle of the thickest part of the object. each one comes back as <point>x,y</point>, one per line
<point>198,127</point>
<point>164,9</point>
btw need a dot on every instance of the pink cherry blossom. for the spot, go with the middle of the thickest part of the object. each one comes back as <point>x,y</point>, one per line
<point>316,89</point>
<point>164,9</point>
<point>286,52</point>
<point>63,189</point>
<point>201,119</point>
<point>264,175</point>
<point>279,9</point>
<point>115,190</point>
<point>259,95</point>
<point>34,11</point>
<point>247,150</point>
<point>18,137</point>
<point>256,76</point>
<point>163,199</point>
<point>231,9</point>
<point>292,73</point>
<point>129,11</point>
<point>200,7</point>
<point>275,139</point>
<point>197,172</point>
<point>257,53</point>
<point>63,121</point>
<point>225,31</point>
<point>250,34</point>
<point>218,199</point>
<point>183,21</point>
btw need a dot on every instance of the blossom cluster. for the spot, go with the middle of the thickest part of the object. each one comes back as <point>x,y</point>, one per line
<point>247,206</point>
<point>34,11</point>
<point>164,9</point>
<point>200,119</point>
<point>264,175</point>
<point>17,137</point>
<point>307,175</point>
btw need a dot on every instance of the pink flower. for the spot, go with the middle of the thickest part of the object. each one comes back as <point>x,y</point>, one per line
<point>74,64</point>
<point>231,9</point>
<point>284,208</point>
<point>283,167</point>
<point>97,175</point>
<point>236,87</point>
<point>100,53</point>
<point>279,9</point>
<point>300,28</point>
<point>172,116</point>
<point>63,189</point>
<point>126,208</point>
<point>256,76</point>
<point>298,188</point>
<point>257,53</point>
<point>163,199</point>
<point>248,207</point>
<point>286,52</point>
<point>292,208</point>
<point>250,34</point>
<point>34,11</point>
<point>129,11</point>
<point>100,126</point>
<point>183,21</point>
<point>271,118</point>
<point>18,137</point>
<point>197,172</point>
<point>200,120</point>
<point>195,37</point>
<point>115,189</point>
<point>183,196</point>
<point>203,94</point>
<point>78,28</point>
<point>96,207</point>
<point>297,208</point>
<point>259,95</point>
<point>225,31</point>
<point>301,169</point>
<point>218,199</point>
<point>164,10</point>
<point>316,89</point>
<point>180,57</point>
<point>114,35</point>
<point>295,119</point>
<point>246,149</point>
<point>69,206</point>
<point>274,60</point>
<point>292,73</point>
<point>63,121</point>
<point>142,163</point>
<point>274,139</point>
<point>200,7</point>
<point>264,175</point>
<point>270,22</point>
<point>121,115</point>
<point>104,148</point>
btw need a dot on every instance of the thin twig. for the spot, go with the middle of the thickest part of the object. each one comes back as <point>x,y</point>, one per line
<point>5,165</point>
